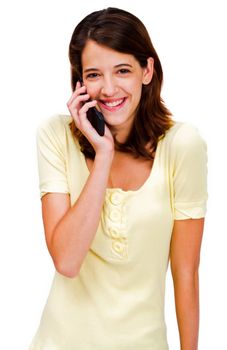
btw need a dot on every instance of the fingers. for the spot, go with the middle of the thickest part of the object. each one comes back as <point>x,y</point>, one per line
<point>84,124</point>
<point>78,107</point>
<point>75,102</point>
<point>86,106</point>
<point>78,91</point>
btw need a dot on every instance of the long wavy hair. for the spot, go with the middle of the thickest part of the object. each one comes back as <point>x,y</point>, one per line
<point>123,32</point>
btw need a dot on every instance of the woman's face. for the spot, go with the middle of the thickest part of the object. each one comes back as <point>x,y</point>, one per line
<point>115,80</point>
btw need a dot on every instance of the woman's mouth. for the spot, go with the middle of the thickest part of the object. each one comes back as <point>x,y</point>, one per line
<point>112,104</point>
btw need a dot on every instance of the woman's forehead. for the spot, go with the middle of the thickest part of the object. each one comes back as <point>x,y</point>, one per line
<point>95,55</point>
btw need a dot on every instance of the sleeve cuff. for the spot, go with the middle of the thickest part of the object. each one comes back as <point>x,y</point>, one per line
<point>56,187</point>
<point>184,211</point>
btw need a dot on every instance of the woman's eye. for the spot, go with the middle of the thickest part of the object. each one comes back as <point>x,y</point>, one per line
<point>124,71</point>
<point>92,75</point>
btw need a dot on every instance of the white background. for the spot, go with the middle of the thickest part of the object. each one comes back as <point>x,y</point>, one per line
<point>190,39</point>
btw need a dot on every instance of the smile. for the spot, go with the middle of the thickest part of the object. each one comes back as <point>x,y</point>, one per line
<point>113,105</point>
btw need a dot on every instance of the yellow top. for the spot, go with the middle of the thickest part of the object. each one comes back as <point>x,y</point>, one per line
<point>117,300</point>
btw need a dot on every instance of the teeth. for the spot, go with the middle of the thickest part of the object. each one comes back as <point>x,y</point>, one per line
<point>113,104</point>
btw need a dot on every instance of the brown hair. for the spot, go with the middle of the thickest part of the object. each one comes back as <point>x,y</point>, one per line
<point>152,119</point>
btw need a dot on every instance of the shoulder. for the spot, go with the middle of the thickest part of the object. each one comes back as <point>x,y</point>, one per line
<point>56,123</point>
<point>54,128</point>
<point>54,133</point>
<point>184,135</point>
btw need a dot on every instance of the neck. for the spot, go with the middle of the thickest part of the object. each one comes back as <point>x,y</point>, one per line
<point>121,132</point>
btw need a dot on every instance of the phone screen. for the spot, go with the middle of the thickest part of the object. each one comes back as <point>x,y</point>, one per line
<point>96,118</point>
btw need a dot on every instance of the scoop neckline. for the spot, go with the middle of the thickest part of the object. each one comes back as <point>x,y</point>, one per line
<point>142,187</point>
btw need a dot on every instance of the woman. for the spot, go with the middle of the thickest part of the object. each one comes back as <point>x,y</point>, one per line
<point>117,207</point>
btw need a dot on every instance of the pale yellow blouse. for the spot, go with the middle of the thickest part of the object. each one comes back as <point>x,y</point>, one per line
<point>117,300</point>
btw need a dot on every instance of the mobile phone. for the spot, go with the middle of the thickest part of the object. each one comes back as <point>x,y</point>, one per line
<point>95,118</point>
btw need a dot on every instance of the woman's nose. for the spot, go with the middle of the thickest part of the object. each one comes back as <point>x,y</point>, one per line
<point>109,87</point>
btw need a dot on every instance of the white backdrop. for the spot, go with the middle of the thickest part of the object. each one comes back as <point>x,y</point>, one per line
<point>189,37</point>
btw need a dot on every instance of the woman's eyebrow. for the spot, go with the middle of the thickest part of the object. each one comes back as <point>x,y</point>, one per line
<point>123,64</point>
<point>117,66</point>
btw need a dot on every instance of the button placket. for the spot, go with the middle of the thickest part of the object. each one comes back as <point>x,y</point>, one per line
<point>115,215</point>
<point>116,227</point>
<point>116,198</point>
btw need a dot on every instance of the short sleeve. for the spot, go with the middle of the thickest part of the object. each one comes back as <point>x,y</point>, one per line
<point>51,156</point>
<point>189,180</point>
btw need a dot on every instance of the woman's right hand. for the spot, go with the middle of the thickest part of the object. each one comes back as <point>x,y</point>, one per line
<point>78,108</point>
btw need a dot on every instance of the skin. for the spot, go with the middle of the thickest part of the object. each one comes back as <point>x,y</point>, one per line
<point>109,75</point>
<point>184,262</point>
<point>69,230</point>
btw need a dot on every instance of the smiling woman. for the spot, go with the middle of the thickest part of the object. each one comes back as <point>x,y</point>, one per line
<point>117,207</point>
<point>116,89</point>
<point>129,62</point>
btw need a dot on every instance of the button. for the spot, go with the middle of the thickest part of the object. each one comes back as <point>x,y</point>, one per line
<point>118,247</point>
<point>115,215</point>
<point>116,198</point>
<point>114,233</point>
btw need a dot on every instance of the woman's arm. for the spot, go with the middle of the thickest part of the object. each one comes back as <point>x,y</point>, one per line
<point>70,231</point>
<point>184,262</point>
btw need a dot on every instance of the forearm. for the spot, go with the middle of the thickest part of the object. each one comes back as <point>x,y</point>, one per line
<point>73,235</point>
<point>187,309</point>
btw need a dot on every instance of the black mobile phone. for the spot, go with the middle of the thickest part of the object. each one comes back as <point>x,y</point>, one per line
<point>95,118</point>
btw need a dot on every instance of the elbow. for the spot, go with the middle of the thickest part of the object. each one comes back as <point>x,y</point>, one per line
<point>64,264</point>
<point>66,270</point>
<point>186,277</point>
<point>185,272</point>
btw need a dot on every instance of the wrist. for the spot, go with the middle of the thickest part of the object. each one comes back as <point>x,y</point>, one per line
<point>104,158</point>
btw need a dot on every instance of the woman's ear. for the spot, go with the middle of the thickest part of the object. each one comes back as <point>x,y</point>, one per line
<point>148,71</point>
